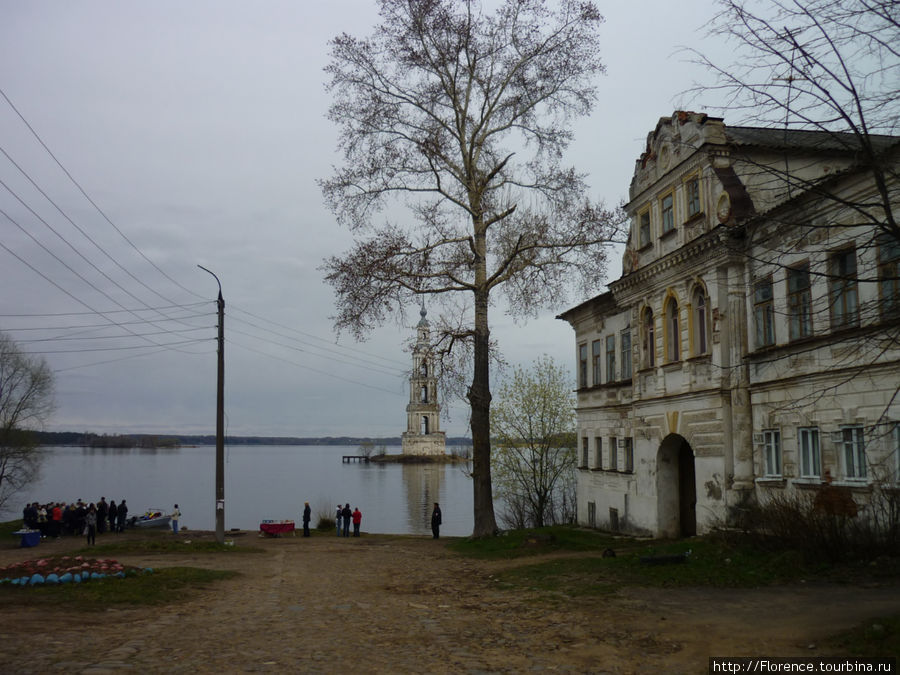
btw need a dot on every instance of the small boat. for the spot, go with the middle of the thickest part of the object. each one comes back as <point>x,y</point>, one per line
<point>151,518</point>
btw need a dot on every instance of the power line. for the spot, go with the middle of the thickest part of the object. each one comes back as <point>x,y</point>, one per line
<point>49,280</point>
<point>356,383</point>
<point>112,311</point>
<point>314,337</point>
<point>91,201</point>
<point>114,349</point>
<point>358,359</point>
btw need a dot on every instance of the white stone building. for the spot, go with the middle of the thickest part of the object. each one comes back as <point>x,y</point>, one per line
<point>423,435</point>
<point>751,343</point>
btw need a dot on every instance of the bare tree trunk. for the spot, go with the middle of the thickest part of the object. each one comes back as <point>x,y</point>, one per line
<point>480,400</point>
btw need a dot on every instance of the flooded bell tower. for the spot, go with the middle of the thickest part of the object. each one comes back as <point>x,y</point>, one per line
<point>423,435</point>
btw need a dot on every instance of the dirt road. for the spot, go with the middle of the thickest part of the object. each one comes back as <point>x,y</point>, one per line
<point>383,604</point>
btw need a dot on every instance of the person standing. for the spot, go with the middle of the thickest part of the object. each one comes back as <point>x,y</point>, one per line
<point>102,515</point>
<point>121,516</point>
<point>347,514</point>
<point>176,514</point>
<point>90,525</point>
<point>113,515</point>
<point>306,516</point>
<point>338,518</point>
<point>357,519</point>
<point>436,521</point>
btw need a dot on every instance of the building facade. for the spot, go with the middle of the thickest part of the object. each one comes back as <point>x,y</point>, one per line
<point>423,435</point>
<point>750,346</point>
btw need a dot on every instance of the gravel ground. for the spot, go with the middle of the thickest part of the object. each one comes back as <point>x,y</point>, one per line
<point>389,604</point>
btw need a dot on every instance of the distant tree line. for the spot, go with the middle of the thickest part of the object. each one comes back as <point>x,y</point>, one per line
<point>91,440</point>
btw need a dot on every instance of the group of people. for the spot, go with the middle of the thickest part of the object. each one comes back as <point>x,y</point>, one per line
<point>55,519</point>
<point>344,517</point>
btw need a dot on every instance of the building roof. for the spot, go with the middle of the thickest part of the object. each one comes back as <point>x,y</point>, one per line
<point>803,139</point>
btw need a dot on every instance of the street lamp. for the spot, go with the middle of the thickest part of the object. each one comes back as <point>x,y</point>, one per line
<point>220,418</point>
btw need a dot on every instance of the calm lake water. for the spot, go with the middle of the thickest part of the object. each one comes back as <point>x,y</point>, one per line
<point>261,483</point>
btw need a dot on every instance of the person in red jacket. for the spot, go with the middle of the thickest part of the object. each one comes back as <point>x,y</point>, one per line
<point>357,519</point>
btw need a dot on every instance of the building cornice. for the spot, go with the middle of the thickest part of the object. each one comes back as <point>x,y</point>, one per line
<point>712,245</point>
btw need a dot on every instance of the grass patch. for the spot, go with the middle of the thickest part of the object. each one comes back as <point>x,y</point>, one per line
<point>163,587</point>
<point>10,526</point>
<point>707,561</point>
<point>873,638</point>
<point>532,542</point>
<point>708,564</point>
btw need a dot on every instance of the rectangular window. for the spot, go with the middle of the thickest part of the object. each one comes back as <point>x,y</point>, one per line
<point>764,312</point>
<point>692,193</point>
<point>808,447</point>
<point>799,302</point>
<point>772,442</point>
<point>584,452</point>
<point>644,226</point>
<point>582,366</point>
<point>896,452</point>
<point>598,452</point>
<point>667,209</point>
<point>889,275</point>
<point>854,451</point>
<point>592,514</point>
<point>613,454</point>
<point>596,356</point>
<point>629,455</point>
<point>844,297</point>
<point>626,355</point>
<point>610,358</point>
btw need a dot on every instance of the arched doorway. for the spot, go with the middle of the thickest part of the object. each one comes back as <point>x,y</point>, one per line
<point>676,488</point>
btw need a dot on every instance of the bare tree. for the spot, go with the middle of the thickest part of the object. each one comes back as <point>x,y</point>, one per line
<point>462,117</point>
<point>26,400</point>
<point>533,426</point>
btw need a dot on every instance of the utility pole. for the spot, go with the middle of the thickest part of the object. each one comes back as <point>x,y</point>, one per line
<point>220,418</point>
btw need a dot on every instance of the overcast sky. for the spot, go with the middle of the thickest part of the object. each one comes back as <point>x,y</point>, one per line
<point>192,134</point>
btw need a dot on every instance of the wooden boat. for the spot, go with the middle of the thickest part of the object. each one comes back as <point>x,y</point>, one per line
<point>151,518</point>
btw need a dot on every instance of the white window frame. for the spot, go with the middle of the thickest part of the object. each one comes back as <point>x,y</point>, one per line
<point>585,452</point>
<point>853,451</point>
<point>809,452</point>
<point>610,358</point>
<point>772,453</point>
<point>629,455</point>
<point>613,454</point>
<point>626,354</point>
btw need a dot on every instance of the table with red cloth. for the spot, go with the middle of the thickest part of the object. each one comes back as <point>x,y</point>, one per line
<point>274,528</point>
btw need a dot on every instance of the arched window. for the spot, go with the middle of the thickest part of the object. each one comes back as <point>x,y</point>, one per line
<point>423,369</point>
<point>424,394</point>
<point>701,321</point>
<point>648,338</point>
<point>425,425</point>
<point>673,335</point>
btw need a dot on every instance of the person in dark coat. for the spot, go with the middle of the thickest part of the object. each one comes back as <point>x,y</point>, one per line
<point>306,516</point>
<point>347,514</point>
<point>113,515</point>
<point>436,521</point>
<point>121,516</point>
<point>102,515</point>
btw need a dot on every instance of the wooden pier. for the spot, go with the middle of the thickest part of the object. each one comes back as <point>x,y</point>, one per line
<point>355,458</point>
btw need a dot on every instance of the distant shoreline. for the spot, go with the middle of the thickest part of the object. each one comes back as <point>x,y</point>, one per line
<point>90,440</point>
